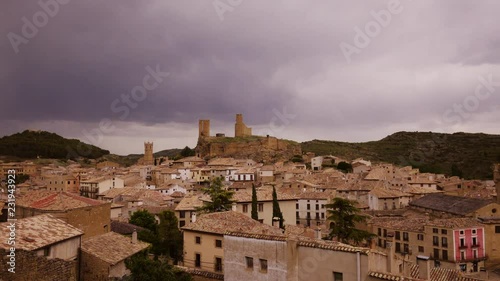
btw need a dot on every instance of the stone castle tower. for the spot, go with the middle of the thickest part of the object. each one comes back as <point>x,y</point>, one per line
<point>240,129</point>
<point>148,154</point>
<point>204,127</point>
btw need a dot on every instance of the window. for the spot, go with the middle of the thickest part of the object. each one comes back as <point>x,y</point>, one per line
<point>197,260</point>
<point>394,205</point>
<point>379,232</point>
<point>338,276</point>
<point>445,255</point>
<point>398,247</point>
<point>249,262</point>
<point>435,240</point>
<point>197,240</point>
<point>182,214</point>
<point>218,265</point>
<point>46,251</point>
<point>263,265</point>
<point>406,248</point>
<point>297,206</point>
<point>444,231</point>
<point>474,241</point>
<point>405,236</point>
<point>297,215</point>
<point>182,223</point>
<point>436,254</point>
<point>218,243</point>
<point>398,235</point>
<point>261,207</point>
<point>322,215</point>
<point>462,255</point>
<point>462,242</point>
<point>420,249</point>
<point>474,231</point>
<point>462,232</point>
<point>444,242</point>
<point>317,207</point>
<point>497,228</point>
<point>434,230</point>
<point>317,216</point>
<point>474,253</point>
<point>420,237</point>
<point>245,208</point>
<point>309,206</point>
<point>385,232</point>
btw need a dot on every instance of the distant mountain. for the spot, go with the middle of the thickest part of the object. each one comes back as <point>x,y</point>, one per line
<point>471,155</point>
<point>32,144</point>
<point>132,159</point>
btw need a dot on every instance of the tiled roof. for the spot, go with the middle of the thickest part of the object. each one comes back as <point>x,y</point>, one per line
<point>455,223</point>
<point>332,245</point>
<point>189,203</point>
<point>445,274</point>
<point>53,200</point>
<point>124,228</point>
<point>404,224</point>
<point>222,162</point>
<point>112,247</point>
<point>314,195</point>
<point>37,232</point>
<point>450,204</point>
<point>389,276</point>
<point>230,221</point>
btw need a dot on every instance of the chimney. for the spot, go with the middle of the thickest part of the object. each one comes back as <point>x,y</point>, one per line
<point>233,207</point>
<point>276,222</point>
<point>134,237</point>
<point>318,233</point>
<point>391,255</point>
<point>193,217</point>
<point>424,267</point>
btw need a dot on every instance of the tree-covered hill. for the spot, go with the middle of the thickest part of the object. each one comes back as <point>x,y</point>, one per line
<point>470,154</point>
<point>40,144</point>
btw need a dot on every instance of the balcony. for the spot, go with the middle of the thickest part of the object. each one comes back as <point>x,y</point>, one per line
<point>475,245</point>
<point>462,247</point>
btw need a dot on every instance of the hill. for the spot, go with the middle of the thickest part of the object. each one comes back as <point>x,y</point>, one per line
<point>472,154</point>
<point>131,159</point>
<point>40,144</point>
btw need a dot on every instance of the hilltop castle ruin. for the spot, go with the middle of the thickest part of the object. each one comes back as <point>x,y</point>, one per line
<point>244,144</point>
<point>240,129</point>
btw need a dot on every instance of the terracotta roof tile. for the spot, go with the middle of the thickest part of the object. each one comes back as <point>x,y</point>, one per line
<point>112,247</point>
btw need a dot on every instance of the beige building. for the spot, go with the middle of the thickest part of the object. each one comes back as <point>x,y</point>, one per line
<point>90,216</point>
<point>94,187</point>
<point>68,183</point>
<point>103,256</point>
<point>46,248</point>
<point>243,199</point>
<point>278,257</point>
<point>203,238</point>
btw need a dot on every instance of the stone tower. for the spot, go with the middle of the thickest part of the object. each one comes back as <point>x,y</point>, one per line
<point>240,129</point>
<point>204,127</point>
<point>148,154</point>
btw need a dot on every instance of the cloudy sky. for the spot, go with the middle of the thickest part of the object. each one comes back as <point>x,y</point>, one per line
<point>337,70</point>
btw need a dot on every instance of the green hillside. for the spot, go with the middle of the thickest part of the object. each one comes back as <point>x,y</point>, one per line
<point>472,154</point>
<point>41,144</point>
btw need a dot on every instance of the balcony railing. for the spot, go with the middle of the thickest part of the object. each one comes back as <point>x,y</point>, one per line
<point>464,246</point>
<point>475,245</point>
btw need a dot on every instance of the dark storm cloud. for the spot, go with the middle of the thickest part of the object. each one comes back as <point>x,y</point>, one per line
<point>262,58</point>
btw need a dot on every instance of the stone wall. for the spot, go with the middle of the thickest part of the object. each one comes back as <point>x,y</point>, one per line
<point>260,149</point>
<point>30,267</point>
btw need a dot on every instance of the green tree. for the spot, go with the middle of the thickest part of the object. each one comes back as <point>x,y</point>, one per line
<point>186,152</point>
<point>345,167</point>
<point>455,171</point>
<point>170,237</point>
<point>143,268</point>
<point>255,214</point>
<point>145,219</point>
<point>276,208</point>
<point>344,216</point>
<point>221,199</point>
